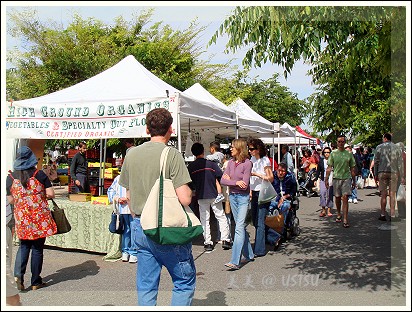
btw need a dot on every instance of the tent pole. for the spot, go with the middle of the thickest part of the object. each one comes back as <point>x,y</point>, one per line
<point>100,171</point>
<point>179,135</point>
<point>237,127</point>
<point>279,147</point>
<point>296,158</point>
<point>101,190</point>
<point>273,151</point>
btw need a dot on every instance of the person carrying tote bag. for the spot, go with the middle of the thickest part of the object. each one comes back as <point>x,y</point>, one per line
<point>139,173</point>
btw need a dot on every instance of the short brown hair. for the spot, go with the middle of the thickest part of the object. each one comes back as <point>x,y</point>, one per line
<point>158,121</point>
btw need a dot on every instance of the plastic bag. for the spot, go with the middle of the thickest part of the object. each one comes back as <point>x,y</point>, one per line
<point>267,192</point>
<point>401,194</point>
<point>360,183</point>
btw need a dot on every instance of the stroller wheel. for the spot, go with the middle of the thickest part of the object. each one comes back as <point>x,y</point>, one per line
<point>308,195</point>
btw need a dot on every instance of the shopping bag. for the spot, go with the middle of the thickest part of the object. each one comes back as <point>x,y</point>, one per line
<point>401,194</point>
<point>164,219</point>
<point>360,183</point>
<point>59,217</point>
<point>275,221</point>
<point>370,181</point>
<point>267,192</point>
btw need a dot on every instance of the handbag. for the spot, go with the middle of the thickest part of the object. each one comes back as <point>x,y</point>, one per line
<point>164,219</point>
<point>275,222</point>
<point>401,194</point>
<point>59,217</point>
<point>116,224</point>
<point>267,192</point>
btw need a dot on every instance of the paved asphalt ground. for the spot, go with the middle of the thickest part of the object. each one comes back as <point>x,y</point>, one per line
<point>362,267</point>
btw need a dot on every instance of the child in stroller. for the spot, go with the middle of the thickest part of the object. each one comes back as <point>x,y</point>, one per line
<point>306,186</point>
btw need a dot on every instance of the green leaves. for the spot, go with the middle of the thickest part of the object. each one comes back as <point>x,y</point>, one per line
<point>352,51</point>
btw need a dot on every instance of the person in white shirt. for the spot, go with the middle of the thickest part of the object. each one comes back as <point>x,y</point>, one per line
<point>261,170</point>
<point>117,193</point>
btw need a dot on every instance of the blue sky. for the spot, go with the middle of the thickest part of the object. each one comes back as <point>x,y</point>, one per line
<point>178,16</point>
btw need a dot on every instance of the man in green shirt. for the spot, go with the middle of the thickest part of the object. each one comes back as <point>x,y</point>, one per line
<point>343,164</point>
<point>140,170</point>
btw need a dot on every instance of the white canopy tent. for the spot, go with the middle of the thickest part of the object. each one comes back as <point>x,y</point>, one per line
<point>288,136</point>
<point>248,119</point>
<point>113,103</point>
<point>248,122</point>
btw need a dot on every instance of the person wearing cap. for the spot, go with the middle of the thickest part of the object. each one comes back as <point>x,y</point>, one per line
<point>343,164</point>
<point>28,189</point>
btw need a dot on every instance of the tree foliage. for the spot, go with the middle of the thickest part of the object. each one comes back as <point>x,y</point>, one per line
<point>55,57</point>
<point>358,56</point>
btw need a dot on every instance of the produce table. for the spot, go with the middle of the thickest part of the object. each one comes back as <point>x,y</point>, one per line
<point>90,229</point>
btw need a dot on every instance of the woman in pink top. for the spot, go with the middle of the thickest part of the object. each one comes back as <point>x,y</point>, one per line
<point>237,177</point>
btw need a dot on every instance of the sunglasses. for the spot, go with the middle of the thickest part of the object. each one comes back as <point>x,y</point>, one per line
<point>326,152</point>
<point>252,149</point>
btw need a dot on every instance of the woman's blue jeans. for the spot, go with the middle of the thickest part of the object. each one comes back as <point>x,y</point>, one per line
<point>36,247</point>
<point>151,257</point>
<point>258,217</point>
<point>241,245</point>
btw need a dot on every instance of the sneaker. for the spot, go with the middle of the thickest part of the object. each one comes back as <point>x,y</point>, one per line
<point>382,218</point>
<point>209,248</point>
<point>350,200</point>
<point>355,201</point>
<point>125,257</point>
<point>226,245</point>
<point>218,199</point>
<point>132,259</point>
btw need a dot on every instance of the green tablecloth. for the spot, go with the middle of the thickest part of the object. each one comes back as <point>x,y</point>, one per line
<point>90,229</point>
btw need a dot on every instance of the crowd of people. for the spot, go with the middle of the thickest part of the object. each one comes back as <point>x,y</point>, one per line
<point>228,183</point>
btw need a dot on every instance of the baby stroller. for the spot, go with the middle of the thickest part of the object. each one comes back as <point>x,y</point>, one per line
<point>306,187</point>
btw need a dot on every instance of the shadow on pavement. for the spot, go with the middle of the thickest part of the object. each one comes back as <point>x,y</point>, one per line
<point>214,298</point>
<point>76,272</point>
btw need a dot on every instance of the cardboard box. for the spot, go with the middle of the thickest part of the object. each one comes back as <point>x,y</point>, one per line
<point>97,165</point>
<point>80,197</point>
<point>101,200</point>
<point>111,173</point>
